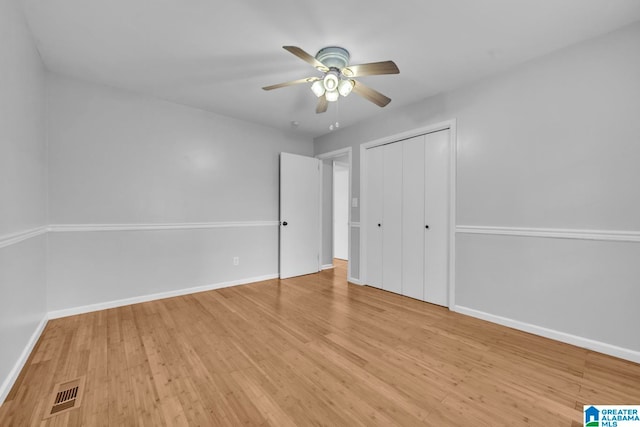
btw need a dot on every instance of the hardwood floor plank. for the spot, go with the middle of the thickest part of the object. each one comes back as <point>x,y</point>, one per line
<point>311,350</point>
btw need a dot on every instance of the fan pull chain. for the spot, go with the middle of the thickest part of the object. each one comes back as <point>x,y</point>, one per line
<point>336,125</point>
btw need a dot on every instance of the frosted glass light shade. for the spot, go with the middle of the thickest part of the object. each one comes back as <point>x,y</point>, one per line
<point>318,88</point>
<point>332,96</point>
<point>345,87</point>
<point>330,82</point>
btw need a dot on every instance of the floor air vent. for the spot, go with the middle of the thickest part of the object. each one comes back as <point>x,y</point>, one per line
<point>66,396</point>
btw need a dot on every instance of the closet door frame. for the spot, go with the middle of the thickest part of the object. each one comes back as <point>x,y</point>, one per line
<point>446,125</point>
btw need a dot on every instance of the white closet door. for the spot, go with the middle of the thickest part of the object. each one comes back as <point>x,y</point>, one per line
<point>374,201</point>
<point>413,225</point>
<point>436,208</point>
<point>392,219</point>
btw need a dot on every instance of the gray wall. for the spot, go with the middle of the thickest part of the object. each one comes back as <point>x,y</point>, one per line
<point>120,158</point>
<point>327,212</point>
<point>552,143</point>
<point>22,190</point>
<point>341,209</point>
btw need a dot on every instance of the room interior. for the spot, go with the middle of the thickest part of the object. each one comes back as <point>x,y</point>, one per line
<point>139,162</point>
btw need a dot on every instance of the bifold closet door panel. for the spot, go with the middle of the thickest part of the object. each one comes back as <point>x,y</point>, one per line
<point>413,225</point>
<point>392,219</point>
<point>436,208</point>
<point>374,200</point>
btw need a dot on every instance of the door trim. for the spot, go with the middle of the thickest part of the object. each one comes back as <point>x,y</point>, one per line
<point>332,155</point>
<point>453,150</point>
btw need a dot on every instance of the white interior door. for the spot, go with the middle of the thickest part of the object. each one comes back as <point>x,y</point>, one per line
<point>373,224</point>
<point>436,209</point>
<point>406,216</point>
<point>392,219</point>
<point>413,226</point>
<point>299,215</point>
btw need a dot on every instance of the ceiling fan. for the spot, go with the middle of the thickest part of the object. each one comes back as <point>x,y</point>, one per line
<point>337,79</point>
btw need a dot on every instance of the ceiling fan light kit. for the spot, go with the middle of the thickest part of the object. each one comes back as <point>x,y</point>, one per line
<point>332,96</point>
<point>345,87</point>
<point>318,88</point>
<point>337,81</point>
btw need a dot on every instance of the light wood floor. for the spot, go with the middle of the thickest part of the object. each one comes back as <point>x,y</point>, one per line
<point>311,350</point>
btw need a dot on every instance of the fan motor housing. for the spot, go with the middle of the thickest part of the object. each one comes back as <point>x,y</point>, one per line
<point>333,57</point>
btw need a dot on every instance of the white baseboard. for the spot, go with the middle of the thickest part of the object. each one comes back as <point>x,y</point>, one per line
<point>8,382</point>
<point>15,371</point>
<point>600,347</point>
<point>354,281</point>
<point>145,298</point>
<point>326,267</point>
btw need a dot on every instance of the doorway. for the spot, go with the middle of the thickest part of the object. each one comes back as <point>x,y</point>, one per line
<point>336,209</point>
<point>341,209</point>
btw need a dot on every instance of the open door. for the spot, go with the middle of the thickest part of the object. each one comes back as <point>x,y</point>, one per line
<point>299,215</point>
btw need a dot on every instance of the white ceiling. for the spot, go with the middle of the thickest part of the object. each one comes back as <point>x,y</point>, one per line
<point>216,55</point>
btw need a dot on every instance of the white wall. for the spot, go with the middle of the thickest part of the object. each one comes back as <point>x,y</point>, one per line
<point>340,210</point>
<point>22,193</point>
<point>327,213</point>
<point>552,144</point>
<point>120,158</point>
<point>329,207</point>
<point>107,268</point>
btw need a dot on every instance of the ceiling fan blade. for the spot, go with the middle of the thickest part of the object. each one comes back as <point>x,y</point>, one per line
<point>322,105</point>
<point>371,69</point>
<point>371,94</point>
<point>307,58</point>
<point>291,83</point>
